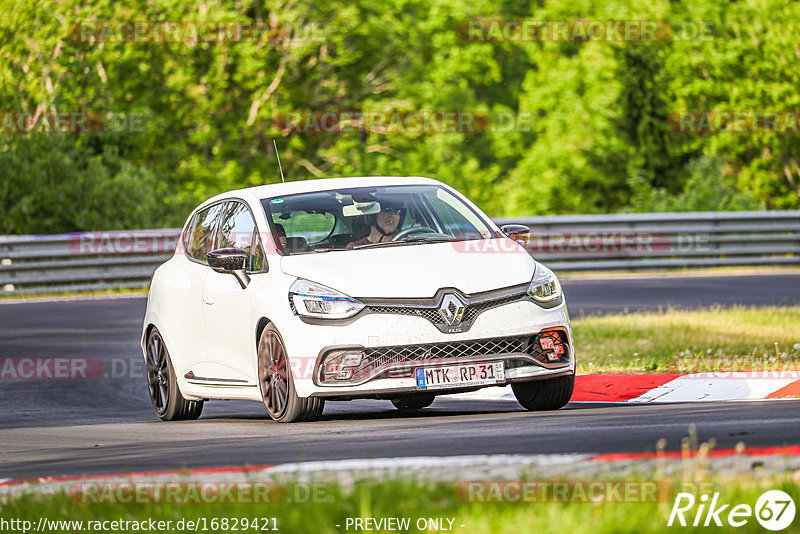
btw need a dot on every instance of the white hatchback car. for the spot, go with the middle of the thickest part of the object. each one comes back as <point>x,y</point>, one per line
<point>384,288</point>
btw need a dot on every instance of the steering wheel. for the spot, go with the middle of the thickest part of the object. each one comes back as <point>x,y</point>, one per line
<point>408,231</point>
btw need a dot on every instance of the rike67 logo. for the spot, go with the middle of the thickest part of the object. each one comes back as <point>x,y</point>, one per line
<point>774,510</point>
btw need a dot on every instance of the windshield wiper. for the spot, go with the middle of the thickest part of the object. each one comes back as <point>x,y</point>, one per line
<point>406,241</point>
<point>323,249</point>
<point>426,239</point>
<point>378,244</point>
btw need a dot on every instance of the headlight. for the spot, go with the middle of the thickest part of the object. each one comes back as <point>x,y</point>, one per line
<point>309,299</point>
<point>544,286</point>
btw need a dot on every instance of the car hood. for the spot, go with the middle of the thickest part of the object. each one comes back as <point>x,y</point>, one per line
<point>416,270</point>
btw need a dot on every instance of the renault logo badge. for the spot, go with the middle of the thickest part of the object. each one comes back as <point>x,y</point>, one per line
<point>452,309</point>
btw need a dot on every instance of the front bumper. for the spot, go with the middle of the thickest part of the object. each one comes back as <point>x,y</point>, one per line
<point>406,342</point>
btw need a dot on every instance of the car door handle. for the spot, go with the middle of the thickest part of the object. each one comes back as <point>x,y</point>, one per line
<point>208,300</point>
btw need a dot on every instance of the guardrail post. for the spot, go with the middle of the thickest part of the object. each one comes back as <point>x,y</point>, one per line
<point>7,287</point>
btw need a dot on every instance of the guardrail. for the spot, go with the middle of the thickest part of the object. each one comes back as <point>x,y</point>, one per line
<point>639,241</point>
<point>647,241</point>
<point>83,261</point>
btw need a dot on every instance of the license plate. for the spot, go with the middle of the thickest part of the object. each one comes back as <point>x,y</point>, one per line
<point>459,375</point>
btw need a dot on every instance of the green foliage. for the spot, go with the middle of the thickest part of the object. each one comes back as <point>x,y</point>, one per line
<point>706,188</point>
<point>599,140</point>
<point>52,184</point>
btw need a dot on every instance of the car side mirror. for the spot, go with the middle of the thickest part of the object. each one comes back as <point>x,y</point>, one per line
<point>519,233</point>
<point>230,261</point>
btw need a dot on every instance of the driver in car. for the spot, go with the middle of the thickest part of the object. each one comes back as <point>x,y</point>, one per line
<point>383,225</point>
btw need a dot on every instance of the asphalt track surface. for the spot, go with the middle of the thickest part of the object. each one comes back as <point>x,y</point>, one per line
<point>106,424</point>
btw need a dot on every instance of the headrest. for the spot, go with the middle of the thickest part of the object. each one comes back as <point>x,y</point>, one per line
<point>296,244</point>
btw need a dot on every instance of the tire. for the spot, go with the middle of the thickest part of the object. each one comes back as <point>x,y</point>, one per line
<point>277,385</point>
<point>413,402</point>
<point>540,395</point>
<point>162,384</point>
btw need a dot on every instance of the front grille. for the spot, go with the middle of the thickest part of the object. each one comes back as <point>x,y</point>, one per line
<point>476,309</point>
<point>400,361</point>
<point>473,308</point>
<point>380,357</point>
<point>431,314</point>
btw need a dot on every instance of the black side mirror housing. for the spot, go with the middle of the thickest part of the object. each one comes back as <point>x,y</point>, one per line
<point>519,233</point>
<point>230,261</point>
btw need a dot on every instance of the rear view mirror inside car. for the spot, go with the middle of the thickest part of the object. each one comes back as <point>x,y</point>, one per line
<point>361,208</point>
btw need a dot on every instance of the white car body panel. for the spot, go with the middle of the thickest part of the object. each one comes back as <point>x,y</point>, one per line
<point>227,318</point>
<point>414,271</point>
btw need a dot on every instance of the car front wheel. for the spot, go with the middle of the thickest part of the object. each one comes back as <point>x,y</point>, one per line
<point>276,383</point>
<point>540,395</point>
<point>162,384</point>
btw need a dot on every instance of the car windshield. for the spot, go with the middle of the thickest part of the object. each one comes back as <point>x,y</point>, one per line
<point>342,219</point>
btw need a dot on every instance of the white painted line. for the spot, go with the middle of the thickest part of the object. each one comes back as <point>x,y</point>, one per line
<point>426,462</point>
<point>727,387</point>
<point>698,387</point>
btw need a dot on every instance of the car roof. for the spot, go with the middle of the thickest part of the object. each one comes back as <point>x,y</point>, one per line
<point>321,184</point>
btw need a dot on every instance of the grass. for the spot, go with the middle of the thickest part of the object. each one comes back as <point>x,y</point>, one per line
<point>710,340</point>
<point>413,500</point>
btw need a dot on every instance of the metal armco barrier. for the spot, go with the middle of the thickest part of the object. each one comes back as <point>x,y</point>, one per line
<point>649,241</point>
<point>83,261</point>
<point>637,241</point>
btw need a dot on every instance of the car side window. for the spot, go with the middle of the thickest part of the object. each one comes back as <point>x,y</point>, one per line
<point>310,227</point>
<point>203,233</point>
<point>186,234</point>
<point>458,223</point>
<point>238,230</point>
<point>257,261</point>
